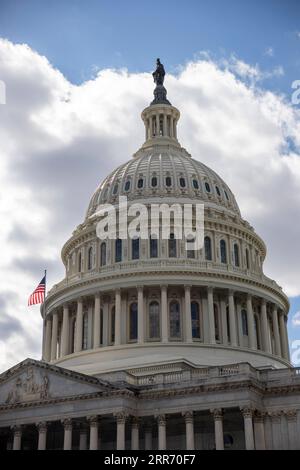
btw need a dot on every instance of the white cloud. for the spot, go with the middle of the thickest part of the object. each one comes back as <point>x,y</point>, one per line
<point>58,140</point>
<point>296,319</point>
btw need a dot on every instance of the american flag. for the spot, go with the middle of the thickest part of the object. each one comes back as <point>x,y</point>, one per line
<point>38,295</point>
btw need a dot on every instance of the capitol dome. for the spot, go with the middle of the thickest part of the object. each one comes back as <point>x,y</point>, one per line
<point>149,343</point>
<point>134,303</point>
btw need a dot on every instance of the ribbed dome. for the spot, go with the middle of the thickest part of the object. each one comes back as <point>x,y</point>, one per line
<point>164,171</point>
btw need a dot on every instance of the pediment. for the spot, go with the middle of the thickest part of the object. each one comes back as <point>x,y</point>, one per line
<point>35,381</point>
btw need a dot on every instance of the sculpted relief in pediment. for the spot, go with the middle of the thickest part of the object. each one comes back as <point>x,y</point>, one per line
<point>29,387</point>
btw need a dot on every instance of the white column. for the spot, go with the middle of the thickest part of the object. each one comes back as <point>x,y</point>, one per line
<point>162,435</point>
<point>276,331</point>
<point>96,332</point>
<point>148,437</point>
<point>67,423</point>
<point>189,430</point>
<point>42,429</point>
<point>157,125</point>
<point>165,126</point>
<point>121,420</point>
<point>93,420</point>
<point>232,320</point>
<point>78,332</point>
<point>211,315</point>
<point>259,431</point>
<point>218,420</point>
<point>291,416</point>
<point>224,322</point>
<point>65,331</point>
<point>188,315</point>
<point>118,317</point>
<point>171,126</point>
<point>250,321</point>
<point>17,430</point>
<point>135,434</point>
<point>47,356</point>
<point>248,428</point>
<point>283,337</point>
<point>140,314</point>
<point>54,336</point>
<point>164,314</point>
<point>265,327</point>
<point>83,436</point>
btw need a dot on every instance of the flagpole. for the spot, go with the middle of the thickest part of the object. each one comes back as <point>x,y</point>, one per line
<point>45,294</point>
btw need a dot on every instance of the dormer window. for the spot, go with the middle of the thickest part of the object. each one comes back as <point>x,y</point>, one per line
<point>182,182</point>
<point>127,185</point>
<point>154,182</point>
<point>168,181</point>
<point>140,183</point>
<point>207,187</point>
<point>116,187</point>
<point>195,184</point>
<point>218,191</point>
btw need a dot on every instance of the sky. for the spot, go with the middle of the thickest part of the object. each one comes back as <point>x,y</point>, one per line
<point>77,76</point>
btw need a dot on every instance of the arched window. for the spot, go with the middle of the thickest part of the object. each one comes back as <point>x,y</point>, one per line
<point>79,262</point>
<point>140,184</point>
<point>217,323</point>
<point>118,253</point>
<point>244,322</point>
<point>127,185</point>
<point>172,246</point>
<point>112,324</point>
<point>226,195</point>
<point>218,191</point>
<point>195,312</point>
<point>207,248</point>
<point>228,323</point>
<point>175,320</point>
<point>182,182</point>
<point>223,251</point>
<point>135,248</point>
<point>153,247</point>
<point>154,320</point>
<point>133,321</point>
<point>116,187</point>
<point>90,258</point>
<point>103,254</point>
<point>236,253</point>
<point>247,259</point>
<point>85,323</point>
<point>195,184</point>
<point>168,181</point>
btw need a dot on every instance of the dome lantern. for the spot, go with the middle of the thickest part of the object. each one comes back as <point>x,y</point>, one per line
<point>160,118</point>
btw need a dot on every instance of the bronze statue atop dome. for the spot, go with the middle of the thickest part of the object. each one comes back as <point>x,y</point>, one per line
<point>160,93</point>
<point>159,73</point>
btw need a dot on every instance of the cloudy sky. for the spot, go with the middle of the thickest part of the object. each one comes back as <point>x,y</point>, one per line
<point>77,78</point>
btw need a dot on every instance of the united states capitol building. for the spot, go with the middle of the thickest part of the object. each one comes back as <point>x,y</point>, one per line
<point>148,345</point>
